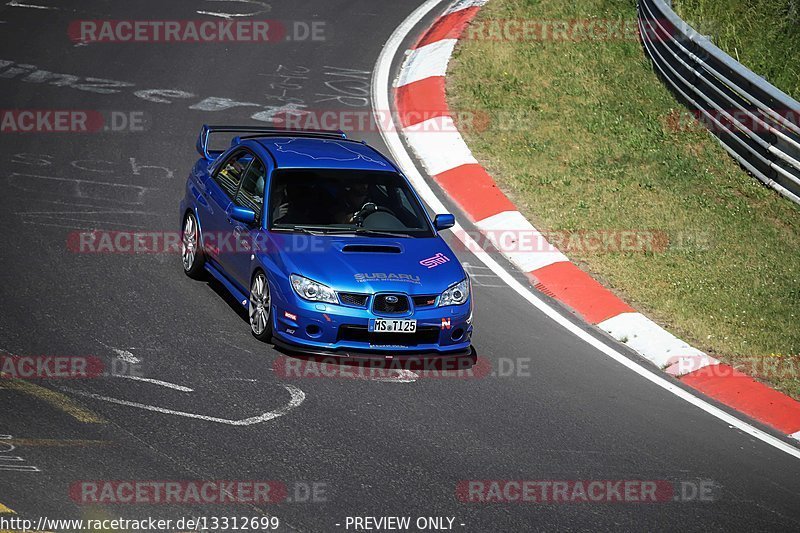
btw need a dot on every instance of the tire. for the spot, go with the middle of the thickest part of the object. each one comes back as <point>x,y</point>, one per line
<point>260,308</point>
<point>192,257</point>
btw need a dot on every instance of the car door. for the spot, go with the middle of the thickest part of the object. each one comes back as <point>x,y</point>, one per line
<point>251,196</point>
<point>221,189</point>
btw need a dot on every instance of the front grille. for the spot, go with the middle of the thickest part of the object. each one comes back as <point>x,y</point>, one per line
<point>353,334</point>
<point>353,299</point>
<point>424,301</point>
<point>383,305</point>
<point>423,335</point>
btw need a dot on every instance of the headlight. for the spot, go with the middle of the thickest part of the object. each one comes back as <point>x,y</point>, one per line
<point>308,289</point>
<point>455,294</point>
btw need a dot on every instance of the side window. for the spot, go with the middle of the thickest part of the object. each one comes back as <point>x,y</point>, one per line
<point>251,193</point>
<point>230,173</point>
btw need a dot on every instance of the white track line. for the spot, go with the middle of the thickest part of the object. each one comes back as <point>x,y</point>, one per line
<point>126,356</point>
<point>15,3</point>
<point>381,88</point>
<point>297,397</point>
<point>166,384</point>
<point>263,9</point>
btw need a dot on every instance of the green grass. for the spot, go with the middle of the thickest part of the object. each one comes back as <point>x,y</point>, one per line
<point>592,148</point>
<point>764,35</point>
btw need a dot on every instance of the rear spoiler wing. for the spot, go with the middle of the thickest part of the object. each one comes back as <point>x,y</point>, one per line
<point>255,132</point>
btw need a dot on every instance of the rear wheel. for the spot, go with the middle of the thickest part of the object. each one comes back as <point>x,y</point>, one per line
<point>260,316</point>
<point>191,254</point>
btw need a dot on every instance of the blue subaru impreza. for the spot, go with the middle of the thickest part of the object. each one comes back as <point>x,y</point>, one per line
<point>325,243</point>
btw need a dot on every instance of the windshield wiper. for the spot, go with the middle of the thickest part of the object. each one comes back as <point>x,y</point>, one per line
<point>367,231</point>
<point>379,233</point>
<point>344,231</point>
<point>300,229</point>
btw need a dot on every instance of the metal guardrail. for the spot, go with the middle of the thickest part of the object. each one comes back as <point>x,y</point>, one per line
<point>755,122</point>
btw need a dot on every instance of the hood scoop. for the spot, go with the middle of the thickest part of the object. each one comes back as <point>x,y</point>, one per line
<point>371,249</point>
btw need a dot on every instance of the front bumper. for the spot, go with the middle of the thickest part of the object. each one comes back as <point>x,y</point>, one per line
<point>354,354</point>
<point>338,330</point>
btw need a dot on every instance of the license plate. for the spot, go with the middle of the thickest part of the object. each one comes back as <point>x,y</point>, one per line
<point>381,325</point>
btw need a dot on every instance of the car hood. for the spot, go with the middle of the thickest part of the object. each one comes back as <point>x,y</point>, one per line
<point>369,264</point>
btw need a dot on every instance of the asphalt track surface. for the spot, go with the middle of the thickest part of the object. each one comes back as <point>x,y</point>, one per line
<point>380,448</point>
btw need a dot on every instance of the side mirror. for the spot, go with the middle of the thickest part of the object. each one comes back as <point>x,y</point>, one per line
<point>444,221</point>
<point>242,214</point>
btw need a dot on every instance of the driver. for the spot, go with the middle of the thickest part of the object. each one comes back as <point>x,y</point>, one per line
<point>355,196</point>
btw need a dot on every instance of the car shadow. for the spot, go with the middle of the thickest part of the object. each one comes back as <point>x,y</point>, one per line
<point>228,298</point>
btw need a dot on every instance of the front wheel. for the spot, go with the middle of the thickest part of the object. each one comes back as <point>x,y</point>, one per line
<point>260,318</point>
<point>191,253</point>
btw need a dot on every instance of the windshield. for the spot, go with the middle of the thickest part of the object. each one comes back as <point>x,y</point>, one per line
<point>345,201</point>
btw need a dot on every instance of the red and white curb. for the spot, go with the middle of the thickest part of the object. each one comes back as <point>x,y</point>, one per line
<point>427,125</point>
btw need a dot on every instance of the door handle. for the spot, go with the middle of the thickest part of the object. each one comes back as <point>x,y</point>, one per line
<point>238,235</point>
